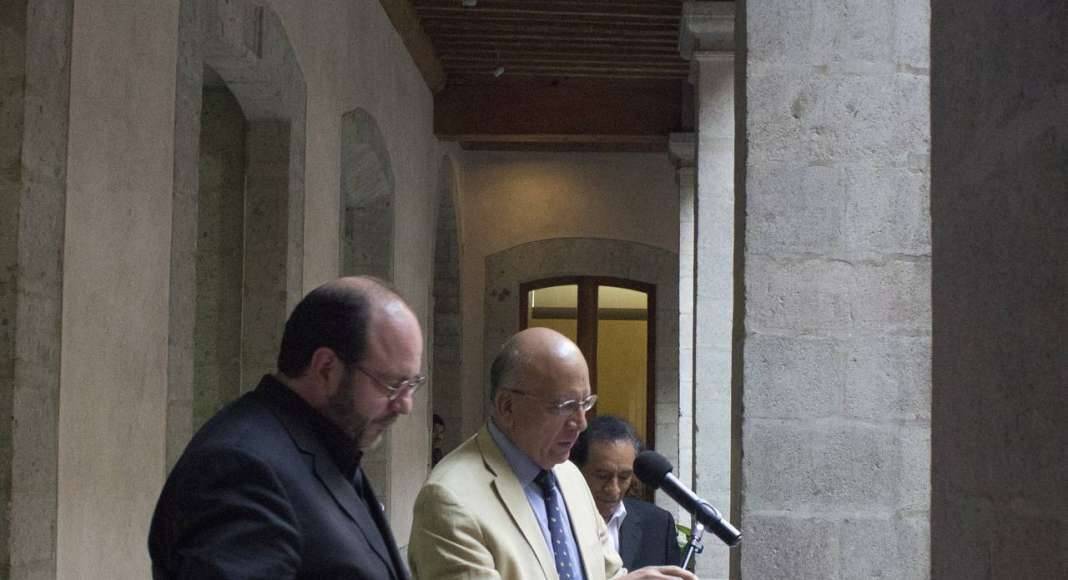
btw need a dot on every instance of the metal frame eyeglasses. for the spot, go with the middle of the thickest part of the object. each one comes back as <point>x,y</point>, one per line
<point>561,407</point>
<point>402,387</point>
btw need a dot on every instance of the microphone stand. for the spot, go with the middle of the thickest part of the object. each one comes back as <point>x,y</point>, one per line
<point>693,544</point>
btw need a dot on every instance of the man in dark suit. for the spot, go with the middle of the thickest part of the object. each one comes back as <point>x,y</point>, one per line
<point>644,535</point>
<point>271,486</point>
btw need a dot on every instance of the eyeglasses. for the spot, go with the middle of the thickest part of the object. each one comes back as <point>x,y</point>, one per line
<point>402,387</point>
<point>562,407</point>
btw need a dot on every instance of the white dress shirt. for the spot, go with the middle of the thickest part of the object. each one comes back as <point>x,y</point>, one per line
<point>614,523</point>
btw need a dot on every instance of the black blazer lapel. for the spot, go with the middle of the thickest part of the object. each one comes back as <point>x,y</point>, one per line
<point>630,536</point>
<point>380,520</point>
<point>341,489</point>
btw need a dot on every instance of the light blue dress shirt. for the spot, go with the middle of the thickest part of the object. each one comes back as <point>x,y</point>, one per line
<point>525,471</point>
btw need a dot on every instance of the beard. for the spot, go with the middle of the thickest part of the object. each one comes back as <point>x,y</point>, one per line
<point>341,408</point>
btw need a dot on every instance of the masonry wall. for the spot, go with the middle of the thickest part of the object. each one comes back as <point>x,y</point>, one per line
<point>999,205</point>
<point>836,362</point>
<point>515,198</point>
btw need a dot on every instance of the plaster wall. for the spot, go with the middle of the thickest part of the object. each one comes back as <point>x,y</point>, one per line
<point>999,206</point>
<point>512,198</point>
<point>112,424</point>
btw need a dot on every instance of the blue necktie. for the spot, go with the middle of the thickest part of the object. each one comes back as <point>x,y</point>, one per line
<point>557,532</point>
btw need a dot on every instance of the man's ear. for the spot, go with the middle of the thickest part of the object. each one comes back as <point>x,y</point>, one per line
<point>504,408</point>
<point>324,362</point>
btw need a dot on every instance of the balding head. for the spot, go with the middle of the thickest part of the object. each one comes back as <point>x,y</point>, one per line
<point>529,352</point>
<point>536,370</point>
<point>336,315</point>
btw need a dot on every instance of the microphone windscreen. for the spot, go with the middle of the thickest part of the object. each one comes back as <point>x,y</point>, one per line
<point>651,468</point>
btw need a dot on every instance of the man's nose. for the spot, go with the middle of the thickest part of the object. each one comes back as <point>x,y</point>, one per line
<point>403,403</point>
<point>579,417</point>
<point>613,486</point>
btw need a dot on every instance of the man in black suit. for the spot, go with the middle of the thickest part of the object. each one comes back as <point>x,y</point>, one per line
<point>644,535</point>
<point>271,486</point>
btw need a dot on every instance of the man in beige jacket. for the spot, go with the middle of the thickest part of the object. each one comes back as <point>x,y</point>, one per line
<point>507,503</point>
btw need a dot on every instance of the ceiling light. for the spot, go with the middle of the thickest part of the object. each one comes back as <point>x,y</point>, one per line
<point>469,3</point>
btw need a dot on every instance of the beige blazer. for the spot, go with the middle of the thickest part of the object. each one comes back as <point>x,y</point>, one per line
<point>473,521</point>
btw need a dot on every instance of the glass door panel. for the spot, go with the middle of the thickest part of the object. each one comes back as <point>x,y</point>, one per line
<point>555,307</point>
<point>622,355</point>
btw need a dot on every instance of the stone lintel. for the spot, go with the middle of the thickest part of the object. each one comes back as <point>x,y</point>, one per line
<point>706,26</point>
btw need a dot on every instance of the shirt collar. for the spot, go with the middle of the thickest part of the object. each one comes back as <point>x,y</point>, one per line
<point>619,513</point>
<point>522,465</point>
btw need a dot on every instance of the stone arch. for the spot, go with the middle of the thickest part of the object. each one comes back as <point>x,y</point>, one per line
<point>366,236</point>
<point>446,324</point>
<point>559,257</point>
<point>367,190</point>
<point>246,46</point>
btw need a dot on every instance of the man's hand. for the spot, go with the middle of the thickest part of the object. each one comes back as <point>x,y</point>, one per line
<point>659,573</point>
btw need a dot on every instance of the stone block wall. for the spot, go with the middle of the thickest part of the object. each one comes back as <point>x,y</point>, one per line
<point>1000,224</point>
<point>836,372</point>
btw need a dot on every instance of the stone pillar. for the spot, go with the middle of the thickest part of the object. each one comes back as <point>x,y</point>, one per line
<point>35,39</point>
<point>837,347</point>
<point>707,40</point>
<point>682,150</point>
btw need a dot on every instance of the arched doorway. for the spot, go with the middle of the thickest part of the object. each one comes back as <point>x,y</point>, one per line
<point>238,203</point>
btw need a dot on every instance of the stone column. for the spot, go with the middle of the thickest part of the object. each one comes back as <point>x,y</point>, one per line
<point>682,150</point>
<point>837,347</point>
<point>707,40</point>
<point>35,39</point>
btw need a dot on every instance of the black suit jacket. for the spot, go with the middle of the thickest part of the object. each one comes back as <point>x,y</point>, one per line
<point>256,494</point>
<point>647,536</point>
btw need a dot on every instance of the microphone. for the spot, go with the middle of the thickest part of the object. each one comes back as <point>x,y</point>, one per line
<point>654,470</point>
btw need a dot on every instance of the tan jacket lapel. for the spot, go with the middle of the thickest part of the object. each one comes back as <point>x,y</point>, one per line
<point>511,494</point>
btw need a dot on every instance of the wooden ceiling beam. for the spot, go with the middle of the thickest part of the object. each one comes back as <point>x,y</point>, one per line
<point>445,27</point>
<point>455,12</point>
<point>654,6</point>
<point>405,21</point>
<point>574,110</point>
<point>513,38</point>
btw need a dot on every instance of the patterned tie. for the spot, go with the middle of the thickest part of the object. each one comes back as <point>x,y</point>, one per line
<point>557,533</point>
